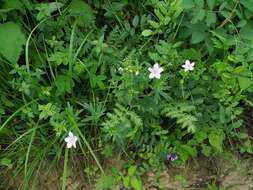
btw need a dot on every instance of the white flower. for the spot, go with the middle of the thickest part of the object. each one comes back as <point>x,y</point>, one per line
<point>155,72</point>
<point>137,73</point>
<point>120,69</point>
<point>188,66</point>
<point>71,140</point>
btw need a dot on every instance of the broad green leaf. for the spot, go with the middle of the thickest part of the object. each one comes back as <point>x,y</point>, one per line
<point>199,3</point>
<point>198,32</point>
<point>245,82</point>
<point>210,18</point>
<point>11,41</point>
<point>187,4</point>
<point>247,4</point>
<point>147,32</point>
<point>247,31</point>
<point>211,4</point>
<point>198,16</point>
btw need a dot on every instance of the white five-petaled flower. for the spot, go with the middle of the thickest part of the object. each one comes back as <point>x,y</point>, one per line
<point>188,66</point>
<point>155,71</point>
<point>71,140</point>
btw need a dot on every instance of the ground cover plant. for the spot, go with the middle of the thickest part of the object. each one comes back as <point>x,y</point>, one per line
<point>160,82</point>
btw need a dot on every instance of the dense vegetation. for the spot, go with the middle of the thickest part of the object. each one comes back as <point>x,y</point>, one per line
<point>152,80</point>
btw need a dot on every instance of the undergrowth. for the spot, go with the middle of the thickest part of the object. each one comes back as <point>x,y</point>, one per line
<point>153,80</point>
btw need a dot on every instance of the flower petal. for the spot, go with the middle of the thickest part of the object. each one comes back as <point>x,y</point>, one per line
<point>158,76</point>
<point>70,134</point>
<point>67,139</point>
<point>151,75</point>
<point>156,66</point>
<point>187,62</point>
<point>69,144</point>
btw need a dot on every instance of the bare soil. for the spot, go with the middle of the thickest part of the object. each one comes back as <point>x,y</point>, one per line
<point>230,172</point>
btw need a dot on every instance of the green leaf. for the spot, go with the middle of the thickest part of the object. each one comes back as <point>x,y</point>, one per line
<point>105,182</point>
<point>247,31</point>
<point>136,183</point>
<point>187,4</point>
<point>13,5</point>
<point>147,32</point>
<point>216,138</point>
<point>82,11</point>
<point>206,150</point>
<point>210,18</point>
<point>198,16</point>
<point>211,4</point>
<point>245,82</point>
<point>64,83</point>
<point>126,181</point>
<point>11,41</point>
<point>247,4</point>
<point>131,170</point>
<point>48,110</point>
<point>198,32</point>
<point>199,3</point>
<point>6,162</point>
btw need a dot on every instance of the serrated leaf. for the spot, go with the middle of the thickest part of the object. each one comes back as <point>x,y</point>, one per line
<point>11,41</point>
<point>48,110</point>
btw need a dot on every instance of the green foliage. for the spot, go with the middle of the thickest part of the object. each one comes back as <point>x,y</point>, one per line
<point>183,115</point>
<point>85,68</point>
<point>121,126</point>
<point>12,39</point>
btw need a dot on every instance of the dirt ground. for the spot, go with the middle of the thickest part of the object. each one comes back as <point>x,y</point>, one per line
<point>228,172</point>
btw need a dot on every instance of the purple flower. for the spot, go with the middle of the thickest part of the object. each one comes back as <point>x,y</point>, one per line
<point>172,156</point>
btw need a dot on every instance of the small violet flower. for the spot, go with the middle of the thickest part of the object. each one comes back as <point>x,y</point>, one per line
<point>155,71</point>
<point>188,66</point>
<point>172,157</point>
<point>71,140</point>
